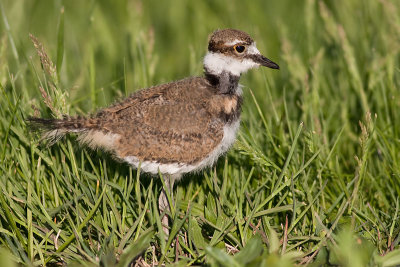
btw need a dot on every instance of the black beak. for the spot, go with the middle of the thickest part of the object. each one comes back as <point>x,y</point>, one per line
<point>263,61</point>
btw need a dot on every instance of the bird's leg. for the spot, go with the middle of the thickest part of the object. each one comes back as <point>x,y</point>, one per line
<point>163,204</point>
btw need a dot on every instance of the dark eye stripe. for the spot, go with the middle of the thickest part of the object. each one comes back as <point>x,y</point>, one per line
<point>221,47</point>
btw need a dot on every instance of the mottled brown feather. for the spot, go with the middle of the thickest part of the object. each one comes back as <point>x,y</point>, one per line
<point>175,122</point>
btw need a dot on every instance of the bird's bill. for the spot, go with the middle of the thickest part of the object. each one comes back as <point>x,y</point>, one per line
<point>263,61</point>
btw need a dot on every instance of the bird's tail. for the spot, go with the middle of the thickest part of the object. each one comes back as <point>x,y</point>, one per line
<point>54,129</point>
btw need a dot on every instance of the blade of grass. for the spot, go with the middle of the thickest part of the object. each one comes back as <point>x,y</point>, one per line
<point>80,227</point>
<point>60,43</point>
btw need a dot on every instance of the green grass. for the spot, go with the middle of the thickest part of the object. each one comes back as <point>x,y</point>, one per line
<point>314,177</point>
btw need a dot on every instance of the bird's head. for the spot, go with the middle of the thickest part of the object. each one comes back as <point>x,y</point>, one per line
<point>235,52</point>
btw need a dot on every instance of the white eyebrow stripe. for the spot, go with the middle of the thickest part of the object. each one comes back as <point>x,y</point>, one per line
<point>236,41</point>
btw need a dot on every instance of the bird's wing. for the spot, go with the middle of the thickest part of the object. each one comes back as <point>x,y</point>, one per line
<point>168,125</point>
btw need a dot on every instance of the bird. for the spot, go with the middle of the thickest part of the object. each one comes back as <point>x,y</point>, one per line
<point>174,128</point>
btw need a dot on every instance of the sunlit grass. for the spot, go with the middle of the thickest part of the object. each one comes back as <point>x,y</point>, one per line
<point>314,177</point>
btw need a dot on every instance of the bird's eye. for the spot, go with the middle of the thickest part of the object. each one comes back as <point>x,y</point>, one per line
<point>239,48</point>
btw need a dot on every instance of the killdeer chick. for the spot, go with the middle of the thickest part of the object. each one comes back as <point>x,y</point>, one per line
<point>173,128</point>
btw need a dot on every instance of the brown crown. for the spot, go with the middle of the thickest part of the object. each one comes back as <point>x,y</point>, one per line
<point>219,38</point>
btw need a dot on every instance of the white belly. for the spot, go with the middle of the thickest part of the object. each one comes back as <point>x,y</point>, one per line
<point>228,140</point>
<point>153,167</point>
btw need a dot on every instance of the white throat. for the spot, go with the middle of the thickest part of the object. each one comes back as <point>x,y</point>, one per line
<point>216,63</point>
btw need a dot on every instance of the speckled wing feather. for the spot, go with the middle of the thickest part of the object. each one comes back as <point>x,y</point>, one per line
<point>169,123</point>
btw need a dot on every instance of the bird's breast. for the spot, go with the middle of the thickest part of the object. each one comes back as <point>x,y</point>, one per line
<point>226,107</point>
